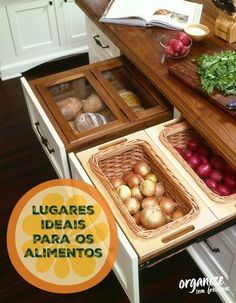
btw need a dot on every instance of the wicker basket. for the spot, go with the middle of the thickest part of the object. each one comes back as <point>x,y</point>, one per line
<point>178,135</point>
<point>118,159</point>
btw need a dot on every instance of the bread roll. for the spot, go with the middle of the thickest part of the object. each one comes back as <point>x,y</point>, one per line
<point>130,98</point>
<point>93,104</point>
<point>69,107</point>
<point>87,121</point>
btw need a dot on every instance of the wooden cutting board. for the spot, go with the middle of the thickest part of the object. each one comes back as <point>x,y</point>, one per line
<point>186,71</point>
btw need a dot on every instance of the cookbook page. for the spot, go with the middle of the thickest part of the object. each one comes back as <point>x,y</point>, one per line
<point>176,13</point>
<point>118,9</point>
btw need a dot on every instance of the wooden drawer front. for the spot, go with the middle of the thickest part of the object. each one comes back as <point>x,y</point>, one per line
<point>99,44</point>
<point>46,133</point>
<point>126,265</point>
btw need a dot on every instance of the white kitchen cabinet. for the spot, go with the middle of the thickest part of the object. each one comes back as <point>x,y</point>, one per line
<point>217,257</point>
<point>100,46</point>
<point>33,26</point>
<point>71,23</point>
<point>33,32</point>
<point>45,132</point>
<point>126,266</point>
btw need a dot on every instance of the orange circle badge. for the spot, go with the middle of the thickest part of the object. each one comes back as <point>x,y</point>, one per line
<point>62,236</point>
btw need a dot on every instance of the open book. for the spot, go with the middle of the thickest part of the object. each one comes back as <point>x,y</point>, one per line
<point>172,14</point>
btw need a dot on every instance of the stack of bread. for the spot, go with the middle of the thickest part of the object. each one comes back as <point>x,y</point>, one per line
<point>92,112</point>
<point>84,114</point>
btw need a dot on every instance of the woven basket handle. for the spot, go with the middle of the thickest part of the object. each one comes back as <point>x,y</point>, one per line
<point>112,143</point>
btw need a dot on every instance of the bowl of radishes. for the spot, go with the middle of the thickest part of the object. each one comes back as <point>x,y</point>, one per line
<point>175,45</point>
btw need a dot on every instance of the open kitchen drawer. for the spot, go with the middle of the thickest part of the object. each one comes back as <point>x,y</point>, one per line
<point>92,104</point>
<point>147,250</point>
<point>224,211</point>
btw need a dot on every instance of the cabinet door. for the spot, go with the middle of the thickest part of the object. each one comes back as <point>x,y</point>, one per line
<point>33,25</point>
<point>71,23</point>
<point>217,257</point>
<point>99,45</point>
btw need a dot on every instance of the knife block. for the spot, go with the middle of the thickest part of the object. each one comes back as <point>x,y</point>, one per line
<point>225,26</point>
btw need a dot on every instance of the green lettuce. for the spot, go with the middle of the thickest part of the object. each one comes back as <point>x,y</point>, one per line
<point>218,72</point>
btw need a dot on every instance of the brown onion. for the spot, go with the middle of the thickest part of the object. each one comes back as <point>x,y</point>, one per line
<point>136,193</point>
<point>177,215</point>
<point>127,175</point>
<point>132,204</point>
<point>116,182</point>
<point>168,205</point>
<point>134,180</point>
<point>159,190</point>
<point>147,188</point>
<point>142,168</point>
<point>152,177</point>
<point>136,217</point>
<point>152,217</point>
<point>149,201</point>
<point>123,192</point>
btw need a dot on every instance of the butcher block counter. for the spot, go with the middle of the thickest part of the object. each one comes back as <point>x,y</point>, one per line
<point>141,46</point>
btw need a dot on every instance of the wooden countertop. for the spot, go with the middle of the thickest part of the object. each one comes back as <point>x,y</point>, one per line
<point>141,46</point>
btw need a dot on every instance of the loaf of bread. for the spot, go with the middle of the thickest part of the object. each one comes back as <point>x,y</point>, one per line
<point>69,107</point>
<point>86,121</point>
<point>130,98</point>
<point>93,104</point>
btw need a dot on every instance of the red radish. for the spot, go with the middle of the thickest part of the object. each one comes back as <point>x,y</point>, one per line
<point>193,144</point>
<point>180,150</point>
<point>169,51</point>
<point>203,150</point>
<point>188,153</point>
<point>229,169</point>
<point>184,38</point>
<point>230,181</point>
<point>171,42</point>
<point>177,46</point>
<point>193,161</point>
<point>216,191</point>
<point>211,183</point>
<point>218,162</point>
<point>216,175</point>
<point>204,170</point>
<point>203,159</point>
<point>184,50</point>
<point>223,190</point>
